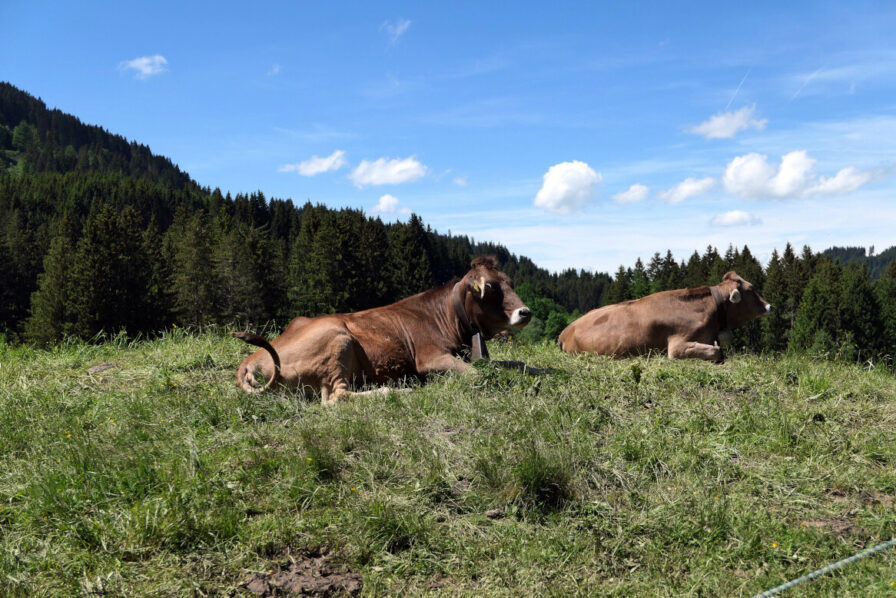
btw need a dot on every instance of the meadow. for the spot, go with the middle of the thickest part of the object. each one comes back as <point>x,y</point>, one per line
<point>638,477</point>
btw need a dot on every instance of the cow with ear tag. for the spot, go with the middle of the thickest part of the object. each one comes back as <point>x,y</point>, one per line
<point>428,332</point>
<point>687,323</point>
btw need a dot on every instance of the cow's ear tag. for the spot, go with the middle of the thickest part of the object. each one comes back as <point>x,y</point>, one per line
<point>735,296</point>
<point>476,287</point>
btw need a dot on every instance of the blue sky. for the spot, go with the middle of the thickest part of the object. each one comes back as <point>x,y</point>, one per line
<point>578,134</point>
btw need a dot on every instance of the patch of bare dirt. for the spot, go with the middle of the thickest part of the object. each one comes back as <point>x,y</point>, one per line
<point>838,525</point>
<point>309,573</point>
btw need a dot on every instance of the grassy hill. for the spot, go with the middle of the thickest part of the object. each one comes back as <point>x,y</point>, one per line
<point>620,478</point>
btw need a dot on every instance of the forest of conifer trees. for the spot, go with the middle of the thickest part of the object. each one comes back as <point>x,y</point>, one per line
<point>98,235</point>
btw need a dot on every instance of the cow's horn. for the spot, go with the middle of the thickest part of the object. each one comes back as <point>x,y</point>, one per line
<point>482,287</point>
<point>735,296</point>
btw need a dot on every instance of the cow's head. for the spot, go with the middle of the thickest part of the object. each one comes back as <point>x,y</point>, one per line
<point>742,301</point>
<point>491,303</point>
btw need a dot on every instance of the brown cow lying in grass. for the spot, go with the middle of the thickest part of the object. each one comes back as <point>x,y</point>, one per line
<point>416,336</point>
<point>685,322</point>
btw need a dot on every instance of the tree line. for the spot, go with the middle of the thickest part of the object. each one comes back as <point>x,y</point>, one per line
<point>99,235</point>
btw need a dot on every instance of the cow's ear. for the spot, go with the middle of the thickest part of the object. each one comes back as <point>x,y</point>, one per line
<point>729,275</point>
<point>735,296</point>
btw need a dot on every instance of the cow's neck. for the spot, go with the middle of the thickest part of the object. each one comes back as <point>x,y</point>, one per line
<point>721,307</point>
<point>468,330</point>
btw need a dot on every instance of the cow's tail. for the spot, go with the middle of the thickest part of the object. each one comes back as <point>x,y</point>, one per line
<point>244,376</point>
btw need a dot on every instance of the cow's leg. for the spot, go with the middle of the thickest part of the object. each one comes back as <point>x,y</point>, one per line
<point>684,349</point>
<point>442,363</point>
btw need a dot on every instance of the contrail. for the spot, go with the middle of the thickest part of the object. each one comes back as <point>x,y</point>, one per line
<point>805,83</point>
<point>738,88</point>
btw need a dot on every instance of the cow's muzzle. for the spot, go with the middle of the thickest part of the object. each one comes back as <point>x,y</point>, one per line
<point>521,316</point>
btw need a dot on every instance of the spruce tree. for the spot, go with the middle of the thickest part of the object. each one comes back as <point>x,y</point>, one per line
<point>818,317</point>
<point>194,284</point>
<point>885,290</point>
<point>775,326</point>
<point>49,317</point>
<point>108,283</point>
<point>620,287</point>
<point>409,265</point>
<point>694,273</point>
<point>860,322</point>
<point>640,284</point>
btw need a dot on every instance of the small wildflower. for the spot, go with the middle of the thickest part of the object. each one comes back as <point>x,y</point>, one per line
<point>309,458</point>
<point>716,497</point>
<point>68,435</point>
<point>774,544</point>
<point>353,489</point>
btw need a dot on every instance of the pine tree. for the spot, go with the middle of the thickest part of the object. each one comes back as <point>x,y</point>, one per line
<point>108,283</point>
<point>776,325</point>
<point>885,290</point>
<point>49,318</point>
<point>409,265</point>
<point>640,284</point>
<point>158,298</point>
<point>860,322</point>
<point>694,273</point>
<point>193,283</point>
<point>620,287</point>
<point>818,318</point>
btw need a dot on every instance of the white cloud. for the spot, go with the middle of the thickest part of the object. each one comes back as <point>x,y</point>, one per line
<point>735,218</point>
<point>395,30</point>
<point>848,179</point>
<point>315,165</point>
<point>387,172</point>
<point>635,193</point>
<point>726,125</point>
<point>145,66</point>
<point>567,187</point>
<point>751,176</point>
<point>687,188</point>
<point>389,204</point>
<point>460,181</point>
<point>274,70</point>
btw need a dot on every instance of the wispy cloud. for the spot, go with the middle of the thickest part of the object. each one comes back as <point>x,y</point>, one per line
<point>751,176</point>
<point>145,66</point>
<point>315,165</point>
<point>389,204</point>
<point>736,91</point>
<point>735,218</point>
<point>274,70</point>
<point>687,188</point>
<point>725,125</point>
<point>567,187</point>
<point>387,172</point>
<point>395,30</point>
<point>460,181</point>
<point>633,194</point>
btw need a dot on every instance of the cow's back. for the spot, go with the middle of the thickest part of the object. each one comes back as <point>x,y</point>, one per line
<point>618,330</point>
<point>639,325</point>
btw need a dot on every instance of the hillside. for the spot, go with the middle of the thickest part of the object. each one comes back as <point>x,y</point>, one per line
<point>642,477</point>
<point>98,235</point>
<point>34,138</point>
<point>61,181</point>
<point>876,263</point>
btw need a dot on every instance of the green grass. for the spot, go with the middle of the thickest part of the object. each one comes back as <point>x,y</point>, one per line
<point>608,478</point>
